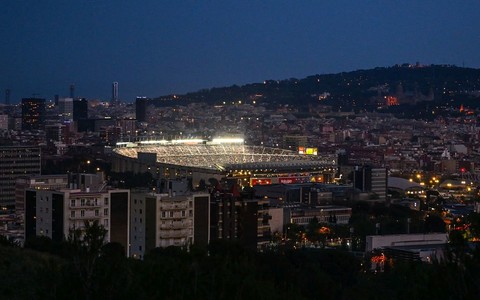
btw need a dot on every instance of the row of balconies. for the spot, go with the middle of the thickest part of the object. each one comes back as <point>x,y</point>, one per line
<point>178,242</point>
<point>176,225</point>
<point>175,216</point>
<point>86,216</point>
<point>86,204</point>
<point>176,206</point>
<point>174,234</point>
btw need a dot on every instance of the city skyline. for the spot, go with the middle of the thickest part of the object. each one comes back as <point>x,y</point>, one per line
<point>166,48</point>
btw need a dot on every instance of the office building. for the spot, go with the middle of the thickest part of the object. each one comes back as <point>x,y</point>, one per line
<point>80,109</point>
<point>65,109</point>
<point>371,180</point>
<point>141,109</point>
<point>56,133</point>
<point>33,113</point>
<point>16,161</point>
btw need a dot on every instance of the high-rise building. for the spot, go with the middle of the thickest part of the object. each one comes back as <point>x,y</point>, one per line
<point>65,109</point>
<point>80,109</point>
<point>141,109</point>
<point>114,93</point>
<point>56,133</point>
<point>33,113</point>
<point>16,161</point>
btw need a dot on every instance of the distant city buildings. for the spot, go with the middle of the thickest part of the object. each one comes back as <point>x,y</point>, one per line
<point>285,170</point>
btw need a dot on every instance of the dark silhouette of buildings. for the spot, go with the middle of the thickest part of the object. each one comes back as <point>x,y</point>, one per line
<point>80,109</point>
<point>141,109</point>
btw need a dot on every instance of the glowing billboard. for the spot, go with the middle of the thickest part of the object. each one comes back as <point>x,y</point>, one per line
<point>307,150</point>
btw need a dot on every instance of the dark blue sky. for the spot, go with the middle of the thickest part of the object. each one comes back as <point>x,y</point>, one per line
<point>155,48</point>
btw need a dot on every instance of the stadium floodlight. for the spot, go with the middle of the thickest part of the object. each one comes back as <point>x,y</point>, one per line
<point>126,144</point>
<point>228,141</point>
<point>189,141</point>
<point>153,142</point>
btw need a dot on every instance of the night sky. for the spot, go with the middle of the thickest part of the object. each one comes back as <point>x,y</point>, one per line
<point>154,47</point>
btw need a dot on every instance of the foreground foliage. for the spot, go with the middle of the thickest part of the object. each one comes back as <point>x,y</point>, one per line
<point>84,268</point>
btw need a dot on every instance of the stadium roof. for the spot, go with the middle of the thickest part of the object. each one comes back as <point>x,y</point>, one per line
<point>224,156</point>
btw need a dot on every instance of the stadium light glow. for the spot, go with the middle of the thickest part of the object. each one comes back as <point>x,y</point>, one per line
<point>228,141</point>
<point>153,142</point>
<point>189,141</point>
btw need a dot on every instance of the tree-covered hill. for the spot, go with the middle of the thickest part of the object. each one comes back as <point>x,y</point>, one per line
<point>361,89</point>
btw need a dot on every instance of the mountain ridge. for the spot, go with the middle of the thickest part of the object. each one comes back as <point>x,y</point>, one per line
<point>360,89</point>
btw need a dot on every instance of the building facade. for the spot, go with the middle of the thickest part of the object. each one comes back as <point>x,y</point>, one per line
<point>163,220</point>
<point>38,182</point>
<point>80,109</point>
<point>65,109</point>
<point>141,109</point>
<point>372,180</point>
<point>16,161</point>
<point>33,113</point>
<point>54,213</point>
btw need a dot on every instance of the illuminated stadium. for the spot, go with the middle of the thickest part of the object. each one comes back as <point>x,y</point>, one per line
<point>222,157</point>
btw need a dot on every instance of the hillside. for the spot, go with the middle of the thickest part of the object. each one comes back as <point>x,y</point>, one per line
<point>362,89</point>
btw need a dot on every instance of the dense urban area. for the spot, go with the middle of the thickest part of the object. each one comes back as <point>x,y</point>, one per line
<point>359,185</point>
